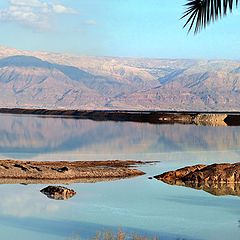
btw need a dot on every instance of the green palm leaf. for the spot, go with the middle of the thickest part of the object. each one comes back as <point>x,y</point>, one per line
<point>200,13</point>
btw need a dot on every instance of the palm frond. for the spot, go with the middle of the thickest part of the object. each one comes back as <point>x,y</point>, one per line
<point>200,13</point>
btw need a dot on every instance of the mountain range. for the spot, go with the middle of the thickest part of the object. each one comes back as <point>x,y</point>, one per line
<point>63,81</point>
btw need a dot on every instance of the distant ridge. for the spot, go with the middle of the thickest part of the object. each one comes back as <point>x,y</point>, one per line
<point>58,81</point>
<point>29,61</point>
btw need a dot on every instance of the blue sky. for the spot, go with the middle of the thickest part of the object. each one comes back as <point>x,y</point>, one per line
<point>133,28</point>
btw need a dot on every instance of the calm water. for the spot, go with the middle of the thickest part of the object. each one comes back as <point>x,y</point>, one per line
<point>138,205</point>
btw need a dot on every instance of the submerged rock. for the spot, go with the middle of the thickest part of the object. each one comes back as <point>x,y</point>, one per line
<point>58,192</point>
<point>217,179</point>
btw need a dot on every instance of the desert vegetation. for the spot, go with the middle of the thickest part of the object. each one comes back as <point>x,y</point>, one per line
<point>119,235</point>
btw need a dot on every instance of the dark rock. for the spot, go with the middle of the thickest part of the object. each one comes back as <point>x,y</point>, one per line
<point>58,192</point>
<point>63,169</point>
<point>215,173</point>
<point>173,176</point>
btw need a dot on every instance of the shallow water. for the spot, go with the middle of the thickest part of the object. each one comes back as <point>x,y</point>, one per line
<point>138,205</point>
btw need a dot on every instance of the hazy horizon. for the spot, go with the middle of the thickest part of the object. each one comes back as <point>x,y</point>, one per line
<point>111,56</point>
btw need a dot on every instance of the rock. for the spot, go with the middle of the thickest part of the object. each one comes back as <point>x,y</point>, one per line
<point>58,192</point>
<point>217,179</point>
<point>173,176</point>
<point>210,119</point>
<point>215,173</point>
<point>68,171</point>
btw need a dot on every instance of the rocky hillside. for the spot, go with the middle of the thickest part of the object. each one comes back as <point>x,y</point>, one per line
<point>49,80</point>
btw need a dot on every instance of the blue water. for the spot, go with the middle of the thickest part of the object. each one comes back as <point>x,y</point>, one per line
<point>138,205</point>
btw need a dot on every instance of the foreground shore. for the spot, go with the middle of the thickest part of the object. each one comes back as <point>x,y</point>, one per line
<point>156,117</point>
<point>14,171</point>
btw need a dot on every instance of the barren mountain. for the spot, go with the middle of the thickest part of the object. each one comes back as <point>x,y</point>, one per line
<point>50,80</point>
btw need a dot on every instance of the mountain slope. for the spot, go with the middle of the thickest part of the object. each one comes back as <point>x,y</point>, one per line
<point>214,86</point>
<point>30,82</point>
<point>40,79</point>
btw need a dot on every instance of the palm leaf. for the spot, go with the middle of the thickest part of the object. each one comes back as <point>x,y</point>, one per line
<point>200,13</point>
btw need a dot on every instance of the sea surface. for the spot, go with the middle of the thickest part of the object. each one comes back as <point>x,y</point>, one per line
<point>141,206</point>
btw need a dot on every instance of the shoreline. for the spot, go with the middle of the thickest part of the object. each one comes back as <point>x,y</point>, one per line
<point>214,118</point>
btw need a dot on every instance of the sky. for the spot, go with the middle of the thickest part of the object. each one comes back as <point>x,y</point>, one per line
<point>127,28</point>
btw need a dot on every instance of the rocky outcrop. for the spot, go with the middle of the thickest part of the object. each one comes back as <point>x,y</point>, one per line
<point>216,173</point>
<point>65,170</point>
<point>217,179</point>
<point>58,192</point>
<point>173,176</point>
<point>210,119</point>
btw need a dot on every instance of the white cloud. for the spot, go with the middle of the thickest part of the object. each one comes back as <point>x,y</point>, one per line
<point>29,3</point>
<point>31,204</point>
<point>35,14</point>
<point>58,8</point>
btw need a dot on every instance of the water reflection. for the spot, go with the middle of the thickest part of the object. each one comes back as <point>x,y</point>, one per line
<point>32,135</point>
<point>137,205</point>
<point>64,229</point>
<point>217,189</point>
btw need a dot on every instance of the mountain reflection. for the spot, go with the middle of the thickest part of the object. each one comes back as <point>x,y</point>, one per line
<point>37,135</point>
